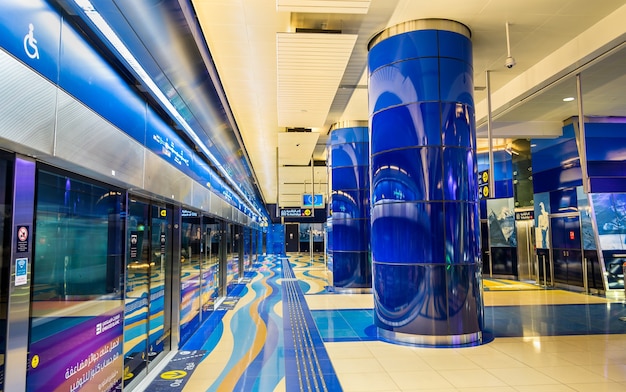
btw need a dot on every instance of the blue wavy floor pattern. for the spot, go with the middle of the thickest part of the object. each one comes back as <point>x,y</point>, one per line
<point>275,342</point>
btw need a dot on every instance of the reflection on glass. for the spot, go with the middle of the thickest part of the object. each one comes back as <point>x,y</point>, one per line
<point>210,266</point>
<point>137,290</point>
<point>146,267</point>
<point>191,253</point>
<point>77,306</point>
<point>160,254</point>
<point>232,259</point>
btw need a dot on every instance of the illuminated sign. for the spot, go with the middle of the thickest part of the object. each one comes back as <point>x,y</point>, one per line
<point>308,199</point>
<point>483,185</point>
<point>525,215</point>
<point>296,212</point>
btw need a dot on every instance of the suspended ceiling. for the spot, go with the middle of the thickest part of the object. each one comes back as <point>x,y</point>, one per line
<point>276,78</point>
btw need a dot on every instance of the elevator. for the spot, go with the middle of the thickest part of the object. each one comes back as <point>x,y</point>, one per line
<point>526,260</point>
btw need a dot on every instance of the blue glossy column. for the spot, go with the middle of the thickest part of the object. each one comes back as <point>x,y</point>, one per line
<point>349,207</point>
<point>425,225</point>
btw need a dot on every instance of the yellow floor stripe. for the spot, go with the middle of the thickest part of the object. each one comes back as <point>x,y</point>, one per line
<point>257,345</point>
<point>507,284</point>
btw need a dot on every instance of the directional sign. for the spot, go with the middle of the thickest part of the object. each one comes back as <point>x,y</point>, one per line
<point>483,185</point>
<point>173,374</point>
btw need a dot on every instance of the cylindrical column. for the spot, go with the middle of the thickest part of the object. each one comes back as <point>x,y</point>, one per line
<point>425,222</point>
<point>349,207</point>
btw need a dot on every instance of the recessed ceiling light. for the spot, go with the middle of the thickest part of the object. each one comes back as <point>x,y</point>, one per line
<point>568,99</point>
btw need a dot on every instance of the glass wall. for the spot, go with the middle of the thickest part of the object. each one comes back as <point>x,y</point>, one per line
<point>190,260</point>
<point>232,267</point>
<point>77,298</point>
<point>210,265</point>
<point>146,321</point>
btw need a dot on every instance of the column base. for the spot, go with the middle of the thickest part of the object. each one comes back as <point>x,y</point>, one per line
<point>352,290</point>
<point>472,339</point>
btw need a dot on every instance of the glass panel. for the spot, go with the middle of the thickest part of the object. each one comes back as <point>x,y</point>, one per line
<point>210,266</point>
<point>137,290</point>
<point>157,272</point>
<point>77,309</point>
<point>231,258</point>
<point>146,331</point>
<point>191,253</point>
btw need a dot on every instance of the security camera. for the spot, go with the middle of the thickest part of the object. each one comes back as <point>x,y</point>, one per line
<point>509,62</point>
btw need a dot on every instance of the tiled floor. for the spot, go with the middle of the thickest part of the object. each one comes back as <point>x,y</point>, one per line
<point>543,340</point>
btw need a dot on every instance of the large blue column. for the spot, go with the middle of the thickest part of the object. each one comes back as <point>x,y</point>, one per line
<point>425,223</point>
<point>349,207</point>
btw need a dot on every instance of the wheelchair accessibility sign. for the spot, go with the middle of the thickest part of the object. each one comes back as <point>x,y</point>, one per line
<point>30,43</point>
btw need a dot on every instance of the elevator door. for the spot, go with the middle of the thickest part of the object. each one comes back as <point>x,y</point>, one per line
<point>292,237</point>
<point>567,254</point>
<point>526,269</point>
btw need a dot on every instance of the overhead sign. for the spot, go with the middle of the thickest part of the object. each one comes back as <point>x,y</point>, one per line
<point>296,212</point>
<point>309,200</point>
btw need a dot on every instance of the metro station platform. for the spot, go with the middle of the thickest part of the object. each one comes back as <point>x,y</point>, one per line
<point>286,331</point>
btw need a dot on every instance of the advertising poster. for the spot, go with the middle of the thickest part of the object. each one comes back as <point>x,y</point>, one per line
<point>501,215</point>
<point>84,357</point>
<point>610,210</point>
<point>542,220</point>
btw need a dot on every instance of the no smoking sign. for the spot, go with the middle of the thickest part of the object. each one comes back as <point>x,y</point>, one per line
<point>22,239</point>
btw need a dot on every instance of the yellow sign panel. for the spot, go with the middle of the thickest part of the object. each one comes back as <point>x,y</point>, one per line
<point>35,361</point>
<point>173,374</point>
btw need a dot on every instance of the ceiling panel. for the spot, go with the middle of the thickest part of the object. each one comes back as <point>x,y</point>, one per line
<point>324,6</point>
<point>296,148</point>
<point>309,67</point>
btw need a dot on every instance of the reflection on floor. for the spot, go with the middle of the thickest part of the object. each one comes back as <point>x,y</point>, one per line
<point>283,336</point>
<point>491,284</point>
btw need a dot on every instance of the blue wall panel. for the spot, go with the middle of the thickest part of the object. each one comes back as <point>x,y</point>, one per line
<point>31,31</point>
